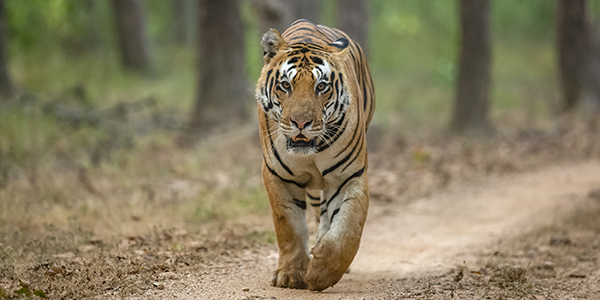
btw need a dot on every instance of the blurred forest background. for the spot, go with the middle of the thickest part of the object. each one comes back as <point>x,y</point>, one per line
<point>99,96</point>
<point>120,117</point>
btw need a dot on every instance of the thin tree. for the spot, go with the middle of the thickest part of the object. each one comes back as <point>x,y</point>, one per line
<point>593,78</point>
<point>181,21</point>
<point>279,14</point>
<point>471,107</point>
<point>573,41</point>
<point>94,33</point>
<point>306,9</point>
<point>272,14</point>
<point>223,86</point>
<point>353,18</point>
<point>133,38</point>
<point>6,87</point>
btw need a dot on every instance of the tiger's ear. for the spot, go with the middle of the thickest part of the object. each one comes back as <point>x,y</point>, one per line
<point>272,42</point>
<point>340,47</point>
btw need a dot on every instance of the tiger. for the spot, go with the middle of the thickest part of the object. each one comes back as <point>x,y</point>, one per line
<point>315,101</point>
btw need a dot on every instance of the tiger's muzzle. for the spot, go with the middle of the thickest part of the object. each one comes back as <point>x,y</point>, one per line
<point>301,143</point>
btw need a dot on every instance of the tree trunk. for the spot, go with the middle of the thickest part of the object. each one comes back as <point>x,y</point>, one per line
<point>280,14</point>
<point>181,21</point>
<point>353,19</point>
<point>223,88</point>
<point>272,14</point>
<point>94,35</point>
<point>133,39</point>
<point>573,42</point>
<point>6,87</point>
<point>306,9</point>
<point>471,108</point>
<point>593,79</point>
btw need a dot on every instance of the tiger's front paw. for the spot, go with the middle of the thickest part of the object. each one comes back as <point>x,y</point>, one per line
<point>289,278</point>
<point>326,268</point>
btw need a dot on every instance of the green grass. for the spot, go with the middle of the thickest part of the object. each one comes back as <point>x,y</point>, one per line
<point>54,76</point>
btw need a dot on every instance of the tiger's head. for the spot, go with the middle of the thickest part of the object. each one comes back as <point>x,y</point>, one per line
<point>303,90</point>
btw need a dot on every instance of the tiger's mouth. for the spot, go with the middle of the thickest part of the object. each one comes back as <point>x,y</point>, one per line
<point>300,142</point>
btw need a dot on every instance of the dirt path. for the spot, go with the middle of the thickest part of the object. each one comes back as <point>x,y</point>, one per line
<point>403,243</point>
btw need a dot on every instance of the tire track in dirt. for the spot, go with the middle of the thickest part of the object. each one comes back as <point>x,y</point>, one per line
<point>428,236</point>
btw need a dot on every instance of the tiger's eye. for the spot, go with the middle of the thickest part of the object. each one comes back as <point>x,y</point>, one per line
<point>321,87</point>
<point>286,85</point>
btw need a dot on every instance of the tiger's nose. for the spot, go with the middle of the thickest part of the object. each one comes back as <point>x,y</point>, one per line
<point>301,124</point>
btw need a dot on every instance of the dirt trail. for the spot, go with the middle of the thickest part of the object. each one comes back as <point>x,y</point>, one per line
<point>428,236</point>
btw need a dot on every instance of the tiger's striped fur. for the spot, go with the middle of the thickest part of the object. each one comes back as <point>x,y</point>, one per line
<point>315,101</point>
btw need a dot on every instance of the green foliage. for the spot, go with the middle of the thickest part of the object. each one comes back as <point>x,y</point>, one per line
<point>523,21</point>
<point>47,24</point>
<point>159,19</point>
<point>262,236</point>
<point>25,132</point>
<point>254,60</point>
<point>228,203</point>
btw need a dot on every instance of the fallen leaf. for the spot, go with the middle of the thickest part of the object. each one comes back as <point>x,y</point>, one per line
<point>459,276</point>
<point>23,291</point>
<point>40,293</point>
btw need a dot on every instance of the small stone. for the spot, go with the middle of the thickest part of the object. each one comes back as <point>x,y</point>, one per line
<point>161,286</point>
<point>24,283</point>
<point>245,289</point>
<point>594,194</point>
<point>560,241</point>
<point>66,255</point>
<point>55,271</point>
<point>86,248</point>
<point>532,253</point>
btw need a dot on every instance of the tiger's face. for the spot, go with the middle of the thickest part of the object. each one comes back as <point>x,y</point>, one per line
<point>302,91</point>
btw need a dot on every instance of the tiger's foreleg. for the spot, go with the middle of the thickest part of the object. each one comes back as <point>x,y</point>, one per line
<point>345,214</point>
<point>288,210</point>
<point>314,198</point>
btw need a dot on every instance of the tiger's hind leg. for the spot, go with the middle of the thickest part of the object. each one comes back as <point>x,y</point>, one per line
<point>288,208</point>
